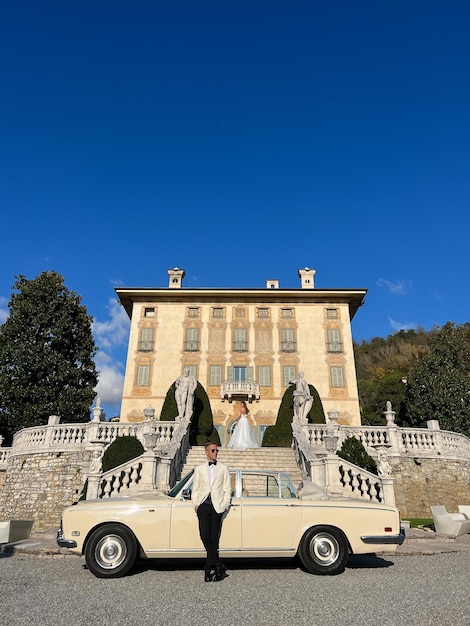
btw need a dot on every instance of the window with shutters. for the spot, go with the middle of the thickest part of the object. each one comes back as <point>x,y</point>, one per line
<point>263,312</point>
<point>288,340</point>
<point>143,375</point>
<point>218,312</point>
<point>337,376</point>
<point>240,343</point>
<point>215,375</point>
<point>193,311</point>
<point>288,374</point>
<point>287,314</point>
<point>332,314</point>
<point>264,375</point>
<point>149,312</point>
<point>192,340</point>
<point>334,340</point>
<point>239,374</point>
<point>146,342</point>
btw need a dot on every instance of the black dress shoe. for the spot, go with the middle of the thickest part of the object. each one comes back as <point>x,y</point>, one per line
<point>220,572</point>
<point>209,576</point>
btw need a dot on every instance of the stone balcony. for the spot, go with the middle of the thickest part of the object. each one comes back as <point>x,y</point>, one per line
<point>236,390</point>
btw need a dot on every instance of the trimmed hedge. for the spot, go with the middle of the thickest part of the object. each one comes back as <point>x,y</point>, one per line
<point>280,434</point>
<point>121,450</point>
<point>353,451</point>
<point>202,427</point>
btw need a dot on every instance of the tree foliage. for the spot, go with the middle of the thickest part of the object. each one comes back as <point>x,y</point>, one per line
<point>382,367</point>
<point>46,355</point>
<point>439,384</point>
<point>425,374</point>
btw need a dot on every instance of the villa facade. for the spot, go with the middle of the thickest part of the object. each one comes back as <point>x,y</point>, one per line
<point>241,344</point>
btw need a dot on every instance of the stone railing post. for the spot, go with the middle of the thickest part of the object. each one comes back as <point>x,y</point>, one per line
<point>332,482</point>
<point>393,431</point>
<point>331,462</point>
<point>317,472</point>
<point>93,486</point>
<point>94,475</point>
<point>434,425</point>
<point>148,459</point>
<point>388,490</point>
<point>163,473</point>
<point>93,432</point>
<point>53,420</point>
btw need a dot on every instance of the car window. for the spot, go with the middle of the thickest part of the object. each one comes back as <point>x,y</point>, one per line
<point>267,485</point>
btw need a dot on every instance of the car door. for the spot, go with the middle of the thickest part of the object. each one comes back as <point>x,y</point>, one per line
<point>184,527</point>
<point>271,514</point>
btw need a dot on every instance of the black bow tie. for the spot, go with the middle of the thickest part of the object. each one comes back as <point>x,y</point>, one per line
<point>212,462</point>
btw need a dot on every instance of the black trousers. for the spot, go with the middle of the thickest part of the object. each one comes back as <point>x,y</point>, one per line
<point>210,527</point>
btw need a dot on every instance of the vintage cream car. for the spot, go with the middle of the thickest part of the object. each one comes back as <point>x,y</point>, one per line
<point>267,518</point>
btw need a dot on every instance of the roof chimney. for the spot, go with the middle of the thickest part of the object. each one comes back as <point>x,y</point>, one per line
<point>306,276</point>
<point>272,284</point>
<point>176,278</point>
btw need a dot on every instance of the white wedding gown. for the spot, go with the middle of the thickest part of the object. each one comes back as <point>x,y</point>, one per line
<point>242,437</point>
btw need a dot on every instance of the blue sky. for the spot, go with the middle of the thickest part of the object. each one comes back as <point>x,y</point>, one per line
<point>239,141</point>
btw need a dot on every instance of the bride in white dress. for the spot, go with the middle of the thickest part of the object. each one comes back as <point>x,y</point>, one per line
<point>242,437</point>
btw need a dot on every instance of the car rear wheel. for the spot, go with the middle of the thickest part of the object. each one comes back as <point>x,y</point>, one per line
<point>110,551</point>
<point>324,550</point>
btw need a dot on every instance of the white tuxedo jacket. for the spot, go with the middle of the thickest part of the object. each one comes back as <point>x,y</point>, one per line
<point>219,491</point>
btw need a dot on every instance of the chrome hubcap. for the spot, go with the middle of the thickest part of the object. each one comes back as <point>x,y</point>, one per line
<point>110,551</point>
<point>324,548</point>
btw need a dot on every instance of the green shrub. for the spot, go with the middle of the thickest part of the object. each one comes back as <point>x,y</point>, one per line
<point>202,427</point>
<point>280,434</point>
<point>121,450</point>
<point>353,451</point>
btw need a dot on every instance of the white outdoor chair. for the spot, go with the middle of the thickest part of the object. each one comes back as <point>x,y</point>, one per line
<point>455,524</point>
<point>465,510</point>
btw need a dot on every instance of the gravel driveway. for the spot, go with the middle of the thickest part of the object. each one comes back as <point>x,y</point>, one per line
<point>411,590</point>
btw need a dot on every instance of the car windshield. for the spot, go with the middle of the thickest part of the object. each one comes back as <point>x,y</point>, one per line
<point>246,484</point>
<point>181,485</point>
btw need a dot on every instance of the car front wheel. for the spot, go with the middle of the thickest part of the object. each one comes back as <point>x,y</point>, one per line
<point>324,550</point>
<point>110,551</point>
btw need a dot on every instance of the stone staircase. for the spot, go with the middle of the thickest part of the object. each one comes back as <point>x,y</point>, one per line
<point>281,459</point>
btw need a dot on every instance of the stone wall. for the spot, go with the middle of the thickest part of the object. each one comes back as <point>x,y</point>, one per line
<point>421,483</point>
<point>39,486</point>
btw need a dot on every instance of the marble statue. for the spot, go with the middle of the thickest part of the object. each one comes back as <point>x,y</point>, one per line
<point>302,399</point>
<point>185,386</point>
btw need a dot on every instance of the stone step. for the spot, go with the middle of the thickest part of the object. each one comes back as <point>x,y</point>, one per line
<point>281,459</point>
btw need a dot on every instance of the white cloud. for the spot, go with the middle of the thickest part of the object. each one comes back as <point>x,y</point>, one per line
<point>114,332</point>
<point>396,326</point>
<point>4,312</point>
<point>111,336</point>
<point>110,384</point>
<point>399,288</point>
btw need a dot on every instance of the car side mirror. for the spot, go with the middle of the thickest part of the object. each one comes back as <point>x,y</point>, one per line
<point>186,494</point>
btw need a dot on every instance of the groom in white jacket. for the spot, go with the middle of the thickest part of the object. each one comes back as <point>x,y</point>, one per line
<point>211,498</point>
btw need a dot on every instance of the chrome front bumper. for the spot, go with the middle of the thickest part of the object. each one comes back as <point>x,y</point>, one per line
<point>65,543</point>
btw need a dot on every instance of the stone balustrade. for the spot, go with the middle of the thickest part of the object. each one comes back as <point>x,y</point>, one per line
<point>401,441</point>
<point>66,437</point>
<point>166,445</point>
<point>337,476</point>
